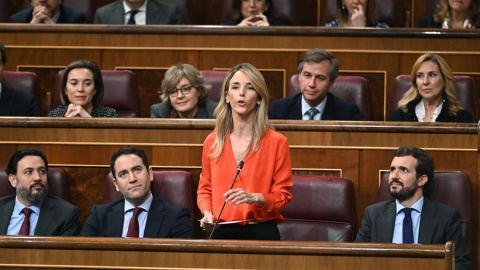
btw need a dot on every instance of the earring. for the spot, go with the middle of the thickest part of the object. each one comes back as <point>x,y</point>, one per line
<point>344,7</point>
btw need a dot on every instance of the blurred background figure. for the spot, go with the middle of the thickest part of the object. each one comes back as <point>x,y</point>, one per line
<point>184,95</point>
<point>48,12</point>
<point>139,12</point>
<point>433,95</point>
<point>253,13</point>
<point>455,14</point>
<point>356,13</point>
<point>82,92</point>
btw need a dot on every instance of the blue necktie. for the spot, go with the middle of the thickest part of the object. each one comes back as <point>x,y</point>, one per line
<point>131,20</point>
<point>407,226</point>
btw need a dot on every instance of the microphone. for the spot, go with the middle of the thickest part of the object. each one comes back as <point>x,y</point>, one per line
<point>239,168</point>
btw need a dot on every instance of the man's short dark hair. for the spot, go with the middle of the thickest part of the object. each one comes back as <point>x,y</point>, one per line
<point>127,151</point>
<point>425,163</point>
<point>317,55</point>
<point>17,156</point>
<point>3,51</point>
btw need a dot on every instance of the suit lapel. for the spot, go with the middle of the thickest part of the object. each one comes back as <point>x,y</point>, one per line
<point>5,100</point>
<point>296,113</point>
<point>6,212</point>
<point>428,223</point>
<point>155,218</point>
<point>47,216</point>
<point>115,218</point>
<point>329,111</point>
<point>386,223</point>
<point>153,14</point>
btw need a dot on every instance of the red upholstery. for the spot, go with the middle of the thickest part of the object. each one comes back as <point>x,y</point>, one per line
<point>322,209</point>
<point>465,93</point>
<point>175,187</point>
<point>350,88</point>
<point>215,78</point>
<point>88,7</point>
<point>392,12</point>
<point>185,7</point>
<point>120,92</point>
<point>25,81</point>
<point>57,183</point>
<point>450,188</point>
<point>286,10</point>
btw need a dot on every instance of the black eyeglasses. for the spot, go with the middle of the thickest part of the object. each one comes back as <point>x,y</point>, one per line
<point>184,89</point>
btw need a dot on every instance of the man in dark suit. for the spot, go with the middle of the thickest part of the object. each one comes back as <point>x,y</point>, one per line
<point>413,218</point>
<point>48,12</point>
<point>317,72</point>
<point>32,211</point>
<point>14,102</point>
<point>138,214</point>
<point>139,12</point>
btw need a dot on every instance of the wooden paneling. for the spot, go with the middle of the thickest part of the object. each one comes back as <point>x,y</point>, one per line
<point>131,253</point>
<point>354,150</point>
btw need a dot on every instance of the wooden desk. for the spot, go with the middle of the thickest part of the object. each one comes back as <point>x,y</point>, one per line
<point>377,54</point>
<point>122,253</point>
<point>355,150</point>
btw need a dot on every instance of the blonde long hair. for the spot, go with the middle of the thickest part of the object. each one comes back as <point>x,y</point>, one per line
<point>443,11</point>
<point>449,91</point>
<point>223,112</point>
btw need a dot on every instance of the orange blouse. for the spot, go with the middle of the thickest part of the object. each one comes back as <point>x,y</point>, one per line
<point>267,171</point>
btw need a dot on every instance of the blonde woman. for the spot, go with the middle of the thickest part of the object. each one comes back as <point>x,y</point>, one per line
<point>454,14</point>
<point>433,95</point>
<point>243,135</point>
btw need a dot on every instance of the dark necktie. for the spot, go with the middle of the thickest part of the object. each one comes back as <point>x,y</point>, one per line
<point>25,229</point>
<point>407,226</point>
<point>131,20</point>
<point>311,113</point>
<point>133,226</point>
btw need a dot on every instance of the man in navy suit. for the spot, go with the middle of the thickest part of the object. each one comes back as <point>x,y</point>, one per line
<point>14,102</point>
<point>47,215</point>
<point>155,218</point>
<point>430,222</point>
<point>144,12</point>
<point>48,12</point>
<point>317,72</point>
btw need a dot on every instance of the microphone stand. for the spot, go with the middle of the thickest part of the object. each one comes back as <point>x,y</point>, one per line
<point>239,168</point>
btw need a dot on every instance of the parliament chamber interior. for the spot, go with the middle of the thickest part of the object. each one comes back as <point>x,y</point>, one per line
<point>355,153</point>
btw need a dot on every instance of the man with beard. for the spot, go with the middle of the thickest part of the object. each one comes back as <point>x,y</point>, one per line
<point>32,211</point>
<point>430,222</point>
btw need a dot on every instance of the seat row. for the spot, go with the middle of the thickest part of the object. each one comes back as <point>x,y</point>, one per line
<point>322,209</point>
<point>392,12</point>
<point>121,90</point>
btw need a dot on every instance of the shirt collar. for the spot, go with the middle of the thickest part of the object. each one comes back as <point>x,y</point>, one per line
<point>320,107</point>
<point>19,207</point>
<point>420,111</point>
<point>145,205</point>
<point>417,205</point>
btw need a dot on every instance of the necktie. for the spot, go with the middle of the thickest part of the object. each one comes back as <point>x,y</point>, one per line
<point>133,225</point>
<point>25,229</point>
<point>311,113</point>
<point>407,226</point>
<point>131,20</point>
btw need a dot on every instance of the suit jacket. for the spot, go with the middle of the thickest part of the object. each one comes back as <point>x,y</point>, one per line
<point>162,110</point>
<point>462,116</point>
<point>164,220</point>
<point>17,103</point>
<point>57,217</point>
<point>67,15</point>
<point>439,223</point>
<point>335,109</point>
<point>158,12</point>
